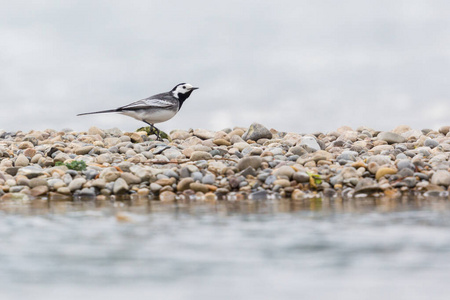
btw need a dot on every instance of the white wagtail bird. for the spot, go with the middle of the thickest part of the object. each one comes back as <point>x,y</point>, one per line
<point>155,109</point>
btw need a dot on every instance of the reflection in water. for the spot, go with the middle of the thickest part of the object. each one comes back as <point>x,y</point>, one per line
<point>143,206</point>
<point>364,248</point>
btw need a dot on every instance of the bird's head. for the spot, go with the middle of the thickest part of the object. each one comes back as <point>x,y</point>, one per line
<point>182,91</point>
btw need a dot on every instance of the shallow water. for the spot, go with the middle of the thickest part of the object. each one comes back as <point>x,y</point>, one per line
<point>315,249</point>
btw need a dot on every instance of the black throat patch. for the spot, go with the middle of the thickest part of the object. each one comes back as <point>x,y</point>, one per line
<point>183,97</point>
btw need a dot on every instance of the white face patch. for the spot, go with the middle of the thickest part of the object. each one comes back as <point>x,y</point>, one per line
<point>182,89</point>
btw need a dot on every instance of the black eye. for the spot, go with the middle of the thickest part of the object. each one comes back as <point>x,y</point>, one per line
<point>184,87</point>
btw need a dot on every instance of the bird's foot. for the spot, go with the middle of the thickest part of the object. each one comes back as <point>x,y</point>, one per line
<point>152,130</point>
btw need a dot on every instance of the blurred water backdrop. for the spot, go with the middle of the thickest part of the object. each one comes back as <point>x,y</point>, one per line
<point>301,66</point>
<point>273,249</point>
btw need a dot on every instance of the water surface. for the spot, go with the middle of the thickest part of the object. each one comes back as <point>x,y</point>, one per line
<point>315,249</point>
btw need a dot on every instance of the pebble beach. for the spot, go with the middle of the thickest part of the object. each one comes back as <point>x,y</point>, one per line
<point>254,163</point>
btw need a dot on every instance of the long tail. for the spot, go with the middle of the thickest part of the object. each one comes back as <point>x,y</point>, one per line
<point>99,112</point>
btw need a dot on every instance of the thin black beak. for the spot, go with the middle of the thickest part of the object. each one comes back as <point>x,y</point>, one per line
<point>194,88</point>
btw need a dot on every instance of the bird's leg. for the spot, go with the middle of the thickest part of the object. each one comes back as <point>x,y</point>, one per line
<point>158,136</point>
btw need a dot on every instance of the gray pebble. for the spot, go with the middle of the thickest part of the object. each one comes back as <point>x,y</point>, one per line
<point>401,156</point>
<point>76,184</point>
<point>171,173</point>
<point>91,174</point>
<point>255,132</point>
<point>184,172</point>
<point>431,143</point>
<point>270,179</point>
<point>405,163</point>
<point>16,188</point>
<point>249,171</point>
<point>310,144</point>
<point>154,187</point>
<point>410,182</point>
<point>348,156</point>
<point>262,176</point>
<point>87,192</point>
<point>197,176</point>
<point>301,177</point>
<point>209,178</point>
<point>391,137</point>
<point>259,195</point>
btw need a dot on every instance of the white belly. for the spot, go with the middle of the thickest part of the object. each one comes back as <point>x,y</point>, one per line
<point>151,116</point>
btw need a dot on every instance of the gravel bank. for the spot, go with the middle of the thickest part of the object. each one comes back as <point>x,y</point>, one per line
<point>232,164</point>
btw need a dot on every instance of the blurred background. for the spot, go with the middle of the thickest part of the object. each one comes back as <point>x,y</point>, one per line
<point>298,66</point>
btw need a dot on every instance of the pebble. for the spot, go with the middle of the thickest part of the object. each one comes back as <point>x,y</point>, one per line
<point>249,161</point>
<point>110,174</point>
<point>441,177</point>
<point>258,195</point>
<point>84,150</point>
<point>198,187</point>
<point>130,178</point>
<point>391,137</point>
<point>179,135</point>
<point>76,184</point>
<point>155,187</point>
<point>381,172</point>
<point>200,155</point>
<point>120,186</point>
<point>301,177</point>
<point>210,197</point>
<point>184,184</point>
<point>255,132</point>
<point>253,162</point>
<point>173,154</point>
<point>297,150</point>
<point>21,161</point>
<point>209,179</point>
<point>203,134</point>
<point>431,143</point>
<point>39,191</point>
<point>444,130</point>
<point>96,131</point>
<point>282,182</point>
<point>405,163</point>
<point>297,194</point>
<point>284,171</point>
<point>310,144</point>
<point>167,196</point>
<point>37,182</point>
<point>87,192</point>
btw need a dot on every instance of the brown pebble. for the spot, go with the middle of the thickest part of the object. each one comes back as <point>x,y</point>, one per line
<point>210,197</point>
<point>384,171</point>
<point>359,164</point>
<point>165,181</point>
<point>200,155</point>
<point>222,142</point>
<point>39,191</point>
<point>184,184</point>
<point>25,145</point>
<point>282,182</point>
<point>143,192</point>
<point>198,187</point>
<point>30,152</point>
<point>166,188</point>
<point>167,196</point>
<point>211,187</point>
